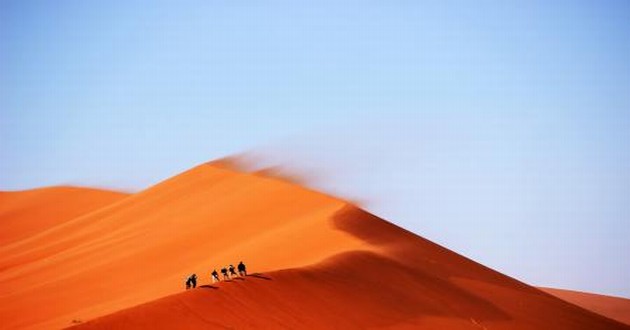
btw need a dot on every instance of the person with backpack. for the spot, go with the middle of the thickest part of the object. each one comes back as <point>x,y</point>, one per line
<point>188,282</point>
<point>232,272</point>
<point>215,276</point>
<point>242,270</point>
<point>193,280</point>
<point>224,271</point>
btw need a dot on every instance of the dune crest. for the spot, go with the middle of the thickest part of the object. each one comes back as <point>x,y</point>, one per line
<point>404,282</point>
<point>321,262</point>
<point>143,246</point>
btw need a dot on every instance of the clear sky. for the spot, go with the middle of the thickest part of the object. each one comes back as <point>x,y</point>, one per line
<point>501,130</point>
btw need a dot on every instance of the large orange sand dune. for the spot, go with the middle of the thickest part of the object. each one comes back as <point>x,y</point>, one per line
<point>324,263</point>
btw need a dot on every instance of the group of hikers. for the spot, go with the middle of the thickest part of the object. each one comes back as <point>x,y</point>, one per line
<point>227,272</point>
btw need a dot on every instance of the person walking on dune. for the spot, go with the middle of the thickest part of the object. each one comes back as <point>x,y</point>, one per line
<point>193,280</point>
<point>242,270</point>
<point>232,272</point>
<point>224,271</point>
<point>215,276</point>
<point>188,282</point>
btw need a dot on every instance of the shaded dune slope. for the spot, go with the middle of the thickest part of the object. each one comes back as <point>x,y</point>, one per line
<point>613,307</point>
<point>142,247</point>
<point>404,282</point>
<point>323,263</point>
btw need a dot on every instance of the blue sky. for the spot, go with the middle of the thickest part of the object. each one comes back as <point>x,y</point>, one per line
<point>499,130</point>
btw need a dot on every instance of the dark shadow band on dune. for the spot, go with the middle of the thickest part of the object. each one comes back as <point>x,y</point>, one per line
<point>439,269</point>
<point>411,249</point>
<point>260,276</point>
<point>352,290</point>
<point>411,280</point>
<point>386,283</point>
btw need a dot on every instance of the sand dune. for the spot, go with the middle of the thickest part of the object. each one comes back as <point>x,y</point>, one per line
<point>25,213</point>
<point>613,307</point>
<point>409,283</point>
<point>143,246</point>
<point>324,263</point>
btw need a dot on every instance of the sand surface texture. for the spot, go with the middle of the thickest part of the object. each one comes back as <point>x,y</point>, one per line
<point>614,307</point>
<point>315,262</point>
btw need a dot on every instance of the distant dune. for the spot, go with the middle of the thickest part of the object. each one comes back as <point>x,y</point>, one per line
<point>320,262</point>
<point>614,307</point>
<point>25,213</point>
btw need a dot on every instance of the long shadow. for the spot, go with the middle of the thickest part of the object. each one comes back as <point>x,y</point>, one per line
<point>407,253</point>
<point>207,286</point>
<point>260,276</point>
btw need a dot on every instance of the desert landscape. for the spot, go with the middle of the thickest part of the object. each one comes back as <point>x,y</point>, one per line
<point>92,259</point>
<point>373,164</point>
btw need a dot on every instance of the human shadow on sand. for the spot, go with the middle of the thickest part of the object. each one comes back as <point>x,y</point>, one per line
<point>261,276</point>
<point>207,286</point>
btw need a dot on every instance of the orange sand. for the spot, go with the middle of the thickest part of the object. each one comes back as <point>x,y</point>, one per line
<point>25,213</point>
<point>324,264</point>
<point>613,307</point>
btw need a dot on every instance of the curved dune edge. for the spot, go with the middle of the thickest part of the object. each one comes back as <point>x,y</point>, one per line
<point>143,246</point>
<point>405,282</point>
<point>616,308</point>
<point>322,262</point>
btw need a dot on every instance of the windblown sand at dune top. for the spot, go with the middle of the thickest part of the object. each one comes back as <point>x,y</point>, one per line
<point>320,262</point>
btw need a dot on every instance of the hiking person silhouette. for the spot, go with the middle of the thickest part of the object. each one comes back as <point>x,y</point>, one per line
<point>188,282</point>
<point>225,273</point>
<point>215,276</point>
<point>232,272</point>
<point>193,280</point>
<point>242,270</point>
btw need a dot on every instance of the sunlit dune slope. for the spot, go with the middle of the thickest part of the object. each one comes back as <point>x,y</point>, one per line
<point>613,307</point>
<point>405,282</point>
<point>324,263</point>
<point>142,247</point>
<point>25,213</point>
